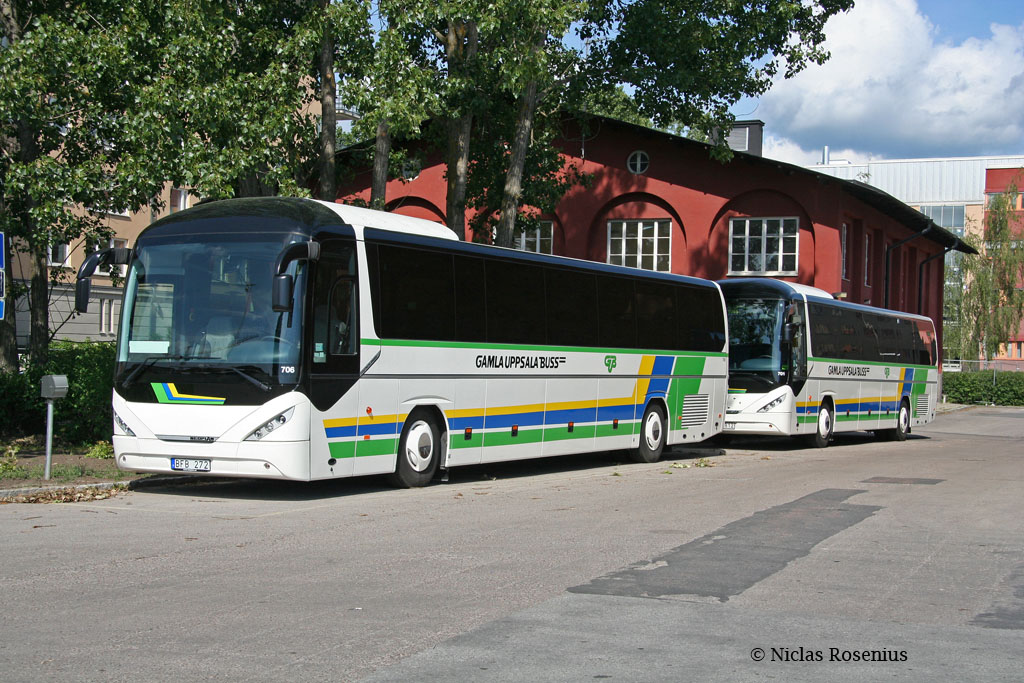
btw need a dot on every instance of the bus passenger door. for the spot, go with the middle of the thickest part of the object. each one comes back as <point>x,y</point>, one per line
<point>334,361</point>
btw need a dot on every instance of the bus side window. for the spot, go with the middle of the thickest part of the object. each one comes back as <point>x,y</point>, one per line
<point>341,325</point>
<point>335,328</point>
<point>799,341</point>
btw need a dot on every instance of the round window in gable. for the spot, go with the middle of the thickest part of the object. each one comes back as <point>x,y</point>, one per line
<point>638,162</point>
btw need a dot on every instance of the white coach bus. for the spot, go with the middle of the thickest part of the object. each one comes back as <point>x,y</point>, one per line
<point>802,362</point>
<point>297,339</point>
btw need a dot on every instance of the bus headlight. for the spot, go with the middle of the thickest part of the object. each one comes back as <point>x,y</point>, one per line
<point>270,426</point>
<point>772,404</point>
<point>122,426</point>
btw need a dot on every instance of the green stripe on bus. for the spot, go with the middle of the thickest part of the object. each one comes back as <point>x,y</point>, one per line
<point>528,347</point>
<point>559,433</point>
<point>342,449</point>
<point>368,449</point>
<point>840,361</point>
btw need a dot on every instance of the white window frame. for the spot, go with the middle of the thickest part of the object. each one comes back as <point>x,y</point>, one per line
<point>534,239</point>
<point>652,239</point>
<point>183,200</point>
<point>120,242</point>
<point>759,243</point>
<point>107,326</point>
<point>638,162</point>
<point>57,249</point>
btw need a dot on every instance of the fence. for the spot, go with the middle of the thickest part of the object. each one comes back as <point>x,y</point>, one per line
<point>997,364</point>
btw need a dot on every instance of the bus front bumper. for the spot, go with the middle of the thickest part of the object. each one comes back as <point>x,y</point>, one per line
<point>266,460</point>
<point>767,426</point>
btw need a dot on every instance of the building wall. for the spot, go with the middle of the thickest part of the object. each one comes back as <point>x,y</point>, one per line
<point>700,196</point>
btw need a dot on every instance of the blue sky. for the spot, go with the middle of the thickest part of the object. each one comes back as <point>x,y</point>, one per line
<point>907,79</point>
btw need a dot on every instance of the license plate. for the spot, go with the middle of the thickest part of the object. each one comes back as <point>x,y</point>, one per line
<point>190,464</point>
<point>729,425</point>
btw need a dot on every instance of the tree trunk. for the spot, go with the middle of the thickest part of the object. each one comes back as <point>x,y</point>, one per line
<point>329,113</point>
<point>514,176</point>
<point>38,303</point>
<point>458,172</point>
<point>381,156</point>
<point>461,43</point>
<point>8,327</point>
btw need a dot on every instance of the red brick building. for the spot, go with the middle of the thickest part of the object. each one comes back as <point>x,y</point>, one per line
<point>659,201</point>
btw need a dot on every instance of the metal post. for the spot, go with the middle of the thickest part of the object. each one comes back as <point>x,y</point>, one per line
<point>49,436</point>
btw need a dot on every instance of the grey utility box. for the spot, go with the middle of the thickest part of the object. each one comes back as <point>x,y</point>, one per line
<point>54,386</point>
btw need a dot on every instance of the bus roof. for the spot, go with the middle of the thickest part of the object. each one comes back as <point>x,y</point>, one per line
<point>766,286</point>
<point>360,218</point>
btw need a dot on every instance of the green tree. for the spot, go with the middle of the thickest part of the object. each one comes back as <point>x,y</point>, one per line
<point>63,105</point>
<point>102,103</point>
<point>989,288</point>
<point>389,112</point>
<point>688,61</point>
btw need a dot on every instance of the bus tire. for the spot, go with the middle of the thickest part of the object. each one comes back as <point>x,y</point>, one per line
<point>824,426</point>
<point>419,451</point>
<point>902,424</point>
<point>652,435</point>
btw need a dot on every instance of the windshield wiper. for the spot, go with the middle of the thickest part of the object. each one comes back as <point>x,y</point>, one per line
<point>248,378</point>
<point>151,360</point>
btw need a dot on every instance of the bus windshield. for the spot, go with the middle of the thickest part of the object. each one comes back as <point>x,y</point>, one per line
<point>755,357</point>
<point>206,305</point>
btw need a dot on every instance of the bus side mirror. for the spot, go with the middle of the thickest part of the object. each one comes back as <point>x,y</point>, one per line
<point>118,256</point>
<point>788,333</point>
<point>83,289</point>
<point>282,293</point>
<point>283,285</point>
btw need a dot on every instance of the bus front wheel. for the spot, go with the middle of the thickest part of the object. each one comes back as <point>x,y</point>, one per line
<point>652,435</point>
<point>824,427</point>
<point>419,451</point>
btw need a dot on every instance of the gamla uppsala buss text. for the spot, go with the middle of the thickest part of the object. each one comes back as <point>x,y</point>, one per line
<point>802,362</point>
<point>296,339</point>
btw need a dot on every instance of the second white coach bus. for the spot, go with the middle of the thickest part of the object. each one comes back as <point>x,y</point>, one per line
<point>296,339</point>
<point>802,362</point>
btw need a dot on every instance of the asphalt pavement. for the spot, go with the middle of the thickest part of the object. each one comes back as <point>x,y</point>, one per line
<point>762,560</point>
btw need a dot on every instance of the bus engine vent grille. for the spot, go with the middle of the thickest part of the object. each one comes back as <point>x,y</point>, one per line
<point>922,404</point>
<point>695,410</point>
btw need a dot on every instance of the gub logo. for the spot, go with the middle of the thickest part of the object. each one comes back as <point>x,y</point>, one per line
<point>887,373</point>
<point>610,362</point>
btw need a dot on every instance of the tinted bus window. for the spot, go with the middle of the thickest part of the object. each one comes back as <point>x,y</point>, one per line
<point>417,294</point>
<point>700,324</point>
<point>515,303</point>
<point>656,315</point>
<point>571,307</point>
<point>616,313</point>
<point>470,300</point>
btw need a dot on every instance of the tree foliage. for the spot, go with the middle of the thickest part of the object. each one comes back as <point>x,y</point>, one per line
<point>985,299</point>
<point>102,103</point>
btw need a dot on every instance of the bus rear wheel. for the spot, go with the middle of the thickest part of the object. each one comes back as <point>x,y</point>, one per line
<point>419,451</point>
<point>652,435</point>
<point>824,427</point>
<point>902,425</point>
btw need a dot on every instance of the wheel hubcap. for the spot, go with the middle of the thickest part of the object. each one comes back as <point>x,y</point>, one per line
<point>419,446</point>
<point>824,423</point>
<point>904,418</point>
<point>652,430</point>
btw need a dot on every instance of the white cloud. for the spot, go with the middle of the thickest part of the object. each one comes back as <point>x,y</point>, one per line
<point>892,90</point>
